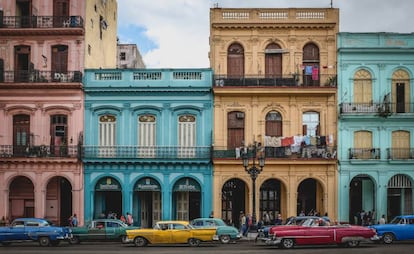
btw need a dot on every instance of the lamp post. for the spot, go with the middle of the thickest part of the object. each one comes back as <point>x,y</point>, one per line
<point>254,152</point>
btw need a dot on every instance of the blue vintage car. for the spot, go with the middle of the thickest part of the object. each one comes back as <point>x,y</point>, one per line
<point>224,232</point>
<point>400,228</point>
<point>34,229</point>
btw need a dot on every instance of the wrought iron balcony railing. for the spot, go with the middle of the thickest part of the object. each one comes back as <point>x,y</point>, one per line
<point>364,153</point>
<point>382,109</point>
<point>139,152</point>
<point>37,76</point>
<point>38,151</point>
<point>41,21</point>
<point>400,153</point>
<point>308,152</point>
<point>294,80</point>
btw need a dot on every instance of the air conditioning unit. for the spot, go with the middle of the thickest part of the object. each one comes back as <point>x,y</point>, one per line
<point>219,82</point>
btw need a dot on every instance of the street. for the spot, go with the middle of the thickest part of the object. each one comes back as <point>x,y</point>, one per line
<point>207,248</point>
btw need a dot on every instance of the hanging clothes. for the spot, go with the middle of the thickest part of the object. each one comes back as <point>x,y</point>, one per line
<point>315,73</point>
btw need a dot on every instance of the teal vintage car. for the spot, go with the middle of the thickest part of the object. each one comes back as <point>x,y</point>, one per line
<point>100,230</point>
<point>224,233</point>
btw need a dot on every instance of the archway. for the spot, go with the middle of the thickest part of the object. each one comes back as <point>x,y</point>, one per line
<point>187,199</point>
<point>21,198</point>
<point>399,196</point>
<point>310,197</point>
<point>233,196</point>
<point>147,200</point>
<point>361,197</point>
<point>108,198</point>
<point>270,200</point>
<point>59,200</point>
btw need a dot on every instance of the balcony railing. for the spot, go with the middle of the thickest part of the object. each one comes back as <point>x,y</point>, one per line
<point>38,151</point>
<point>37,76</point>
<point>364,153</point>
<point>400,153</point>
<point>294,80</point>
<point>376,108</point>
<point>41,21</point>
<point>139,152</point>
<point>308,152</point>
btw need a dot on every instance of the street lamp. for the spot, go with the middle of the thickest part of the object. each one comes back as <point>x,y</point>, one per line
<point>254,152</point>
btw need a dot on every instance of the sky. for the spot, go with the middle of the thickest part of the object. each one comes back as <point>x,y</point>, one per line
<point>175,33</point>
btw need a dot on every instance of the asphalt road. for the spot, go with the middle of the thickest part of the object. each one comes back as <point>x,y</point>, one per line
<point>208,248</point>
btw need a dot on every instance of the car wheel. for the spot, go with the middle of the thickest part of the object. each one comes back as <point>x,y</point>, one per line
<point>193,242</point>
<point>287,243</point>
<point>388,238</point>
<point>44,241</point>
<point>74,240</point>
<point>353,243</point>
<point>225,239</point>
<point>140,241</point>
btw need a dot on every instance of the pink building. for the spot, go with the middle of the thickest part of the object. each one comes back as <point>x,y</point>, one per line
<point>42,45</point>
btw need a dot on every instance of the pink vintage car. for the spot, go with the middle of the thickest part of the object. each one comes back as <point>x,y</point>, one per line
<point>315,232</point>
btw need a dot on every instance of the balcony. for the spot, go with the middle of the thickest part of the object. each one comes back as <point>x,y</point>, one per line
<point>382,109</point>
<point>37,76</point>
<point>139,152</point>
<point>400,153</point>
<point>288,81</point>
<point>42,151</point>
<point>364,153</point>
<point>41,25</point>
<point>303,153</point>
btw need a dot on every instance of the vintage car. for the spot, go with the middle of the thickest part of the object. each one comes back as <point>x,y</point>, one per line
<point>100,230</point>
<point>165,232</point>
<point>313,232</point>
<point>225,233</point>
<point>263,232</point>
<point>399,228</point>
<point>34,229</point>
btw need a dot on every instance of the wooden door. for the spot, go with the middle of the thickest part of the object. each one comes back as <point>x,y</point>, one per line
<point>21,134</point>
<point>235,61</point>
<point>21,63</point>
<point>61,13</point>
<point>273,61</point>
<point>235,129</point>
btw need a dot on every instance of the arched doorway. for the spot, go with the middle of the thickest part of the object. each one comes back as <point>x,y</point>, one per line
<point>108,198</point>
<point>399,196</point>
<point>310,197</point>
<point>310,65</point>
<point>187,199</point>
<point>361,197</point>
<point>235,61</point>
<point>21,198</point>
<point>147,198</point>
<point>59,200</point>
<point>270,200</point>
<point>233,196</point>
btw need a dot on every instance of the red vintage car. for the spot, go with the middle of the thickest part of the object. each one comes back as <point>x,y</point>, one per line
<point>316,232</point>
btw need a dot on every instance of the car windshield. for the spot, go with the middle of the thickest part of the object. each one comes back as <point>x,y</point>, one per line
<point>397,220</point>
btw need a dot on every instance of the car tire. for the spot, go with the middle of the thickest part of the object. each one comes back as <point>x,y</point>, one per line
<point>193,242</point>
<point>388,238</point>
<point>44,241</point>
<point>225,239</point>
<point>352,244</point>
<point>140,241</point>
<point>74,240</point>
<point>287,243</point>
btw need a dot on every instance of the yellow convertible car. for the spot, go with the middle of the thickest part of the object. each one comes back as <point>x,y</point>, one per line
<point>174,232</point>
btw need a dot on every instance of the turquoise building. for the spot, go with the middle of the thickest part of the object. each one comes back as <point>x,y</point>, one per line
<point>147,143</point>
<point>376,125</point>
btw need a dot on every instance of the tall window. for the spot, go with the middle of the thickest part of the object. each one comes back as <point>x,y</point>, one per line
<point>400,145</point>
<point>273,124</point>
<point>310,64</point>
<point>146,135</point>
<point>362,87</point>
<point>235,129</point>
<point>401,92</point>
<point>21,134</point>
<point>363,145</point>
<point>310,124</point>
<point>273,61</point>
<point>58,134</point>
<point>186,135</point>
<point>235,61</point>
<point>107,135</point>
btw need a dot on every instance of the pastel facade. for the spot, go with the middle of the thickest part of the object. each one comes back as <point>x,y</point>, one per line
<point>376,131</point>
<point>147,144</point>
<point>275,84</point>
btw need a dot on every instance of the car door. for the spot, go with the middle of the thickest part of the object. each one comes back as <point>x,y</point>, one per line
<point>97,231</point>
<point>319,235</point>
<point>112,230</point>
<point>405,229</point>
<point>17,231</point>
<point>163,234</point>
<point>179,233</point>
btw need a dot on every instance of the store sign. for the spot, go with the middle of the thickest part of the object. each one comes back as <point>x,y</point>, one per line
<point>187,184</point>
<point>147,184</point>
<point>108,184</point>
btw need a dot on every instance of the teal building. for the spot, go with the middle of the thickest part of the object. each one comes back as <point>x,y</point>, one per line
<point>376,125</point>
<point>147,143</point>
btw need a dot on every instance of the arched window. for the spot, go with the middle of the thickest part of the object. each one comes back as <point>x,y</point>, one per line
<point>401,92</point>
<point>273,61</point>
<point>235,61</point>
<point>310,65</point>
<point>147,135</point>
<point>107,135</point>
<point>187,135</point>
<point>273,124</point>
<point>362,87</point>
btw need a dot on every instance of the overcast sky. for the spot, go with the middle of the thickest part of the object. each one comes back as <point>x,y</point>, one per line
<point>175,33</point>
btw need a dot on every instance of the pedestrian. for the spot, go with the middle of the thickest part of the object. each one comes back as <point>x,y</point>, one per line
<point>279,220</point>
<point>74,220</point>
<point>211,215</point>
<point>130,219</point>
<point>382,219</point>
<point>122,218</point>
<point>70,221</point>
<point>242,222</point>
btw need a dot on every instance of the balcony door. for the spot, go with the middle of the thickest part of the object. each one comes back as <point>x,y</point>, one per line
<point>58,134</point>
<point>235,129</point>
<point>24,12</point>
<point>235,61</point>
<point>21,63</point>
<point>61,13</point>
<point>60,63</point>
<point>21,134</point>
<point>273,61</point>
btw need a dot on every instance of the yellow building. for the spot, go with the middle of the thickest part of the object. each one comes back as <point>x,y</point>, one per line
<point>275,86</point>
